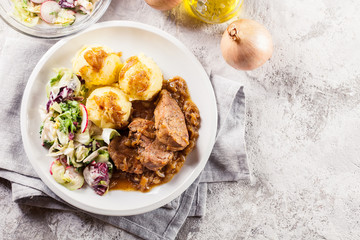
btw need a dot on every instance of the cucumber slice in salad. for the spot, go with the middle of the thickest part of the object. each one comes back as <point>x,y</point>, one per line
<point>66,176</point>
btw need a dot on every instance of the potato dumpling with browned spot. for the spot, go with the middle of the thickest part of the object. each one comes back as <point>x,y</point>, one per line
<point>140,78</point>
<point>108,107</point>
<point>97,65</point>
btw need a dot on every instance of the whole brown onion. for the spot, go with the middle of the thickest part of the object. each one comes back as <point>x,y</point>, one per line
<point>246,44</point>
<point>163,5</point>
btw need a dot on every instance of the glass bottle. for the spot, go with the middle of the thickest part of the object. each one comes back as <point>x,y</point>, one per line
<point>213,11</point>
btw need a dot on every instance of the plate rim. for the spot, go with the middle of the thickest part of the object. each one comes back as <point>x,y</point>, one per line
<point>24,122</point>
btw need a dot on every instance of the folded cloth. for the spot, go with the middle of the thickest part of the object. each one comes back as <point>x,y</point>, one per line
<point>227,161</point>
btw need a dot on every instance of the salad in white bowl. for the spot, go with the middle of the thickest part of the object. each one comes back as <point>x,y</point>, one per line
<point>80,147</point>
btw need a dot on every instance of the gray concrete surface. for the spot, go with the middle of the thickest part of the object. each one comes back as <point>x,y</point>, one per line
<point>302,131</point>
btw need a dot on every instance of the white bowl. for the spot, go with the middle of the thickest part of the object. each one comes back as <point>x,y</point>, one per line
<point>173,59</point>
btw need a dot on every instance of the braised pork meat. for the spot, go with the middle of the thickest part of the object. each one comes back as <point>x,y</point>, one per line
<point>124,156</point>
<point>139,148</point>
<point>170,123</point>
<point>155,156</point>
<point>161,133</point>
<point>141,132</point>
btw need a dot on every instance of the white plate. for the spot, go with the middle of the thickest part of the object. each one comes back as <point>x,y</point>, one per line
<point>174,59</point>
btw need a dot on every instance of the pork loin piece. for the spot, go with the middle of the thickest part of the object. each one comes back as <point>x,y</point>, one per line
<point>124,157</point>
<point>142,132</point>
<point>155,156</point>
<point>170,123</point>
<point>143,126</point>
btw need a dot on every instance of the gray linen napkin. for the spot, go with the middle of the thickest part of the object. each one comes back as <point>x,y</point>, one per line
<point>227,161</point>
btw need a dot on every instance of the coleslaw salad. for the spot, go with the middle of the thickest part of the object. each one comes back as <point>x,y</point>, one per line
<point>78,146</point>
<point>56,12</point>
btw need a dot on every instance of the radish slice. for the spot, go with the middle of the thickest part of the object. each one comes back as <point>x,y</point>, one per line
<point>51,167</point>
<point>49,11</point>
<point>38,1</point>
<point>84,116</point>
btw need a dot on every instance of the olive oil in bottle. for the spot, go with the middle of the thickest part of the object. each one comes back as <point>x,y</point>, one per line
<point>213,11</point>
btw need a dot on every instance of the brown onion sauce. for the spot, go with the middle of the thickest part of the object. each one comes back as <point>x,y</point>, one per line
<point>145,109</point>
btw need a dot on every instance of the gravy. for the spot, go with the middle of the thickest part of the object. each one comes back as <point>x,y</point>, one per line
<point>145,109</point>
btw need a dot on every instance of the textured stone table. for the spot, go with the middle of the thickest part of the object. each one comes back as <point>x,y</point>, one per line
<point>302,131</point>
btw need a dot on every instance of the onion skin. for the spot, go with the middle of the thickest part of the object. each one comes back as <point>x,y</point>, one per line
<point>246,44</point>
<point>163,5</point>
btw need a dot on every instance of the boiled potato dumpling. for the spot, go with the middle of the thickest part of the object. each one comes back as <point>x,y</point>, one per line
<point>108,107</point>
<point>97,65</point>
<point>140,78</point>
